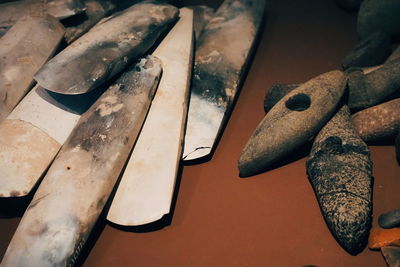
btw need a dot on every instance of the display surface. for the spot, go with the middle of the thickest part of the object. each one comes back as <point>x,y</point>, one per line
<point>271,219</point>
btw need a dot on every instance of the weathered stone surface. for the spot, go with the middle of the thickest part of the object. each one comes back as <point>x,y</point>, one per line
<point>106,49</point>
<point>72,195</point>
<point>202,15</point>
<point>23,50</point>
<point>11,12</point>
<point>349,5</point>
<point>276,93</point>
<point>340,171</point>
<point>370,51</point>
<point>379,122</point>
<point>146,188</point>
<point>33,133</point>
<point>378,15</point>
<point>366,90</point>
<point>221,58</point>
<point>95,11</point>
<point>379,238</point>
<point>292,121</point>
<point>389,219</point>
<point>392,255</point>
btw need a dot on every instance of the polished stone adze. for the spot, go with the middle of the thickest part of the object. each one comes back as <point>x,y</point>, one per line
<point>106,49</point>
<point>340,171</point>
<point>23,50</point>
<point>292,122</point>
<point>72,195</point>
<point>145,192</point>
<point>222,53</point>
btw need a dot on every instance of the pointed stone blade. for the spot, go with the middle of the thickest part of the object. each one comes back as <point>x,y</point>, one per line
<point>221,56</point>
<point>145,192</point>
<point>32,135</point>
<point>72,195</point>
<point>23,50</point>
<point>106,49</point>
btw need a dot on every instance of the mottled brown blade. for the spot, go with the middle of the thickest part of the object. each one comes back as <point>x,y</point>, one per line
<point>106,49</point>
<point>72,195</point>
<point>222,54</point>
<point>23,50</point>
<point>392,256</point>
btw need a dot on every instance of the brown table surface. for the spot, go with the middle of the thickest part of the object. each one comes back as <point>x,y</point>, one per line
<point>271,219</point>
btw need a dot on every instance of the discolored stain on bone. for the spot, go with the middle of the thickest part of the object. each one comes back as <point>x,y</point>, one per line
<point>340,171</point>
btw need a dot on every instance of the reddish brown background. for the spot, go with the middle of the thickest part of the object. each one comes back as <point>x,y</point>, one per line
<point>271,219</point>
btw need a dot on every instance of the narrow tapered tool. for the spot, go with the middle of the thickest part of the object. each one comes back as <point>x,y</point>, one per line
<point>23,50</point>
<point>145,192</point>
<point>106,49</point>
<point>220,62</point>
<point>72,195</point>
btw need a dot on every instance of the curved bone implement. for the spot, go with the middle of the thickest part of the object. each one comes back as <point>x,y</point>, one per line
<point>292,121</point>
<point>30,138</point>
<point>73,193</point>
<point>340,171</point>
<point>220,60</point>
<point>145,192</point>
<point>23,50</point>
<point>106,49</point>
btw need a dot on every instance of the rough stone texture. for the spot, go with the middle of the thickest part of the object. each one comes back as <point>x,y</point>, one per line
<point>11,12</point>
<point>292,121</point>
<point>23,50</point>
<point>378,15</point>
<point>366,90</point>
<point>340,171</point>
<point>397,143</point>
<point>72,195</point>
<point>370,51</point>
<point>106,49</point>
<point>276,93</point>
<point>378,123</point>
<point>379,238</point>
<point>95,11</point>
<point>389,219</point>
<point>202,15</point>
<point>221,60</point>
<point>349,5</point>
<point>392,256</point>
<point>25,152</point>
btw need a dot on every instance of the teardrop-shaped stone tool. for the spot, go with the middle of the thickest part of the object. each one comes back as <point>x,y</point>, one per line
<point>220,62</point>
<point>292,121</point>
<point>70,198</point>
<point>106,49</point>
<point>340,171</point>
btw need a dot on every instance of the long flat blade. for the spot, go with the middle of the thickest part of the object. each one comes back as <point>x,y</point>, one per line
<point>222,53</point>
<point>145,192</point>
<point>72,195</point>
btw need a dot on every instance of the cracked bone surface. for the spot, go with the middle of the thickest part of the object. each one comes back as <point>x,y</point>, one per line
<point>23,50</point>
<point>106,49</point>
<point>73,193</point>
<point>292,121</point>
<point>220,62</point>
<point>340,171</point>
<point>146,188</point>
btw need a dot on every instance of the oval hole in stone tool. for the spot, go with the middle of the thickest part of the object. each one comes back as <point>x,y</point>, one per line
<point>298,102</point>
